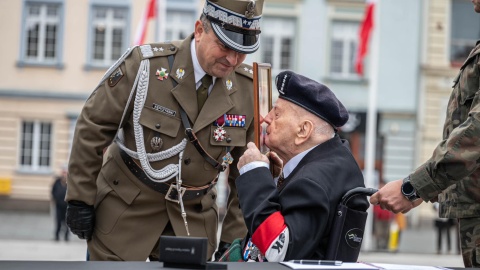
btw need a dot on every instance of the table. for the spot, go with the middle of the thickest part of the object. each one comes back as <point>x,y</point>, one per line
<point>91,265</point>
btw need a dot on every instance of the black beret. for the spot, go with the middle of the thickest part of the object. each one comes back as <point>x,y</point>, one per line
<point>312,96</point>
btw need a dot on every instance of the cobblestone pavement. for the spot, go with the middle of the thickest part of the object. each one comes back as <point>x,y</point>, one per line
<point>29,236</point>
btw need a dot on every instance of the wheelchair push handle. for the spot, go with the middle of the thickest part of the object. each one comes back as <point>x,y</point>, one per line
<point>357,191</point>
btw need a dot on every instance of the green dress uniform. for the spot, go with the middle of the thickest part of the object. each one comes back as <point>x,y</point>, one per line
<point>454,167</point>
<point>141,97</point>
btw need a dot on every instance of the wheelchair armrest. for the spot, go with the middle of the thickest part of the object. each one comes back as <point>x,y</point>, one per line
<point>357,191</point>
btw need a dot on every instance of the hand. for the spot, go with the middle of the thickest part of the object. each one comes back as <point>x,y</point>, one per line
<point>251,154</point>
<point>390,197</point>
<point>80,219</point>
<point>277,163</point>
<point>222,247</point>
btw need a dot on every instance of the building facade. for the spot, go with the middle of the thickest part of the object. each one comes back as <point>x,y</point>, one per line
<point>55,52</point>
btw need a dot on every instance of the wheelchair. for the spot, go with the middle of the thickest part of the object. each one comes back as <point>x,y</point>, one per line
<point>346,235</point>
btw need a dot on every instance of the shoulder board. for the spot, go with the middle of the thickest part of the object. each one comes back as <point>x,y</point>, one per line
<point>157,50</point>
<point>245,70</point>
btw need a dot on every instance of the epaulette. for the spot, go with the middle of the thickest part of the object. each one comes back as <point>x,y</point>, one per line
<point>245,70</point>
<point>157,50</point>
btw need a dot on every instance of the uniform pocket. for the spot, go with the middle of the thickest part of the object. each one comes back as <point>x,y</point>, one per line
<point>160,122</point>
<point>234,136</point>
<point>117,194</point>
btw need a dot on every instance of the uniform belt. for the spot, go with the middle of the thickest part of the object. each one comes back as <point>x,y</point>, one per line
<point>169,190</point>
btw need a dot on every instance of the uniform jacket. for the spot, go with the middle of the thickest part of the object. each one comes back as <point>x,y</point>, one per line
<point>307,201</point>
<point>130,216</point>
<point>454,165</point>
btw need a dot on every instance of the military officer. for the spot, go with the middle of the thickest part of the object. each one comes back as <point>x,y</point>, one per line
<point>152,138</point>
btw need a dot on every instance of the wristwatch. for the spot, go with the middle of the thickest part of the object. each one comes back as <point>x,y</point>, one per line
<point>408,190</point>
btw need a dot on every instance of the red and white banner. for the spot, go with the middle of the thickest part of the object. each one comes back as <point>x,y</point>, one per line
<point>149,13</point>
<point>364,36</point>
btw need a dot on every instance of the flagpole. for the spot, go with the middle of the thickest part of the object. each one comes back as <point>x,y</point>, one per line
<point>161,20</point>
<point>371,133</point>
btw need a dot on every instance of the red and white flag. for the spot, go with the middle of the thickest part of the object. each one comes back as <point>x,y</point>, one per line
<point>364,35</point>
<point>149,13</point>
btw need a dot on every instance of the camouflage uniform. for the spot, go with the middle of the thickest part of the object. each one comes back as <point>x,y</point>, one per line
<point>452,174</point>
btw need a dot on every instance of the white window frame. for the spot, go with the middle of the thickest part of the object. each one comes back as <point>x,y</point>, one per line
<point>35,151</point>
<point>109,23</point>
<point>179,22</point>
<point>278,29</point>
<point>346,32</point>
<point>43,19</point>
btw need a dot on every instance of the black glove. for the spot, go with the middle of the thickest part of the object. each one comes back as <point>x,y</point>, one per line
<point>222,247</point>
<point>81,219</point>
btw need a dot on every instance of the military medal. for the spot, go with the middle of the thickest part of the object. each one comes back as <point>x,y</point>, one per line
<point>162,74</point>
<point>180,72</point>
<point>156,143</point>
<point>219,134</point>
<point>227,159</point>
<point>229,84</point>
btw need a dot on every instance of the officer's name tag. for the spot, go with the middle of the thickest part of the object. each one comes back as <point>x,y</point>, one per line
<point>164,110</point>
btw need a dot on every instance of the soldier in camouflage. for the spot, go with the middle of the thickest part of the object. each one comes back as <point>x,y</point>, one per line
<point>452,174</point>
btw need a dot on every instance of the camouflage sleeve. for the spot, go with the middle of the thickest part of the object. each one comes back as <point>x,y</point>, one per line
<point>456,157</point>
<point>96,127</point>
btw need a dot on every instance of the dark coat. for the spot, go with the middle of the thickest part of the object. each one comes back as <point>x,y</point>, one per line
<point>308,198</point>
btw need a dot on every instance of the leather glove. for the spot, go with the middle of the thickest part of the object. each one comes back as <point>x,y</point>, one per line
<point>81,219</point>
<point>222,247</point>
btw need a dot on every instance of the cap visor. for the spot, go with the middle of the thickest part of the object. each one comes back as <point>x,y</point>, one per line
<point>238,42</point>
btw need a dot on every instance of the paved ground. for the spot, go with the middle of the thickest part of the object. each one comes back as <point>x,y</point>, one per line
<point>29,236</point>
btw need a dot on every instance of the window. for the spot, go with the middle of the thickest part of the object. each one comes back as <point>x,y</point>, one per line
<point>180,24</point>
<point>277,43</point>
<point>36,145</point>
<point>343,49</point>
<point>108,34</point>
<point>41,31</point>
<point>465,30</point>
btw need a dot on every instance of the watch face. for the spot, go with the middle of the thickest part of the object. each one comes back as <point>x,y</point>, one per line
<point>407,188</point>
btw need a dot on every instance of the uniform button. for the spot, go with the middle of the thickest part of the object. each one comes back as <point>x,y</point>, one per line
<point>229,140</point>
<point>187,161</point>
<point>115,182</point>
<point>214,196</point>
<point>172,48</point>
<point>157,126</point>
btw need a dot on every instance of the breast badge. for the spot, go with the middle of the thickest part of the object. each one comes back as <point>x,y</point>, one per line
<point>162,74</point>
<point>115,77</point>
<point>156,143</point>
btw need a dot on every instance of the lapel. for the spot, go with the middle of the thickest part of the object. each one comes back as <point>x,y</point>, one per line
<point>185,92</point>
<point>218,102</point>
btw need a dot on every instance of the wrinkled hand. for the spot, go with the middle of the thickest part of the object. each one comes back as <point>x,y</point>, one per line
<point>251,154</point>
<point>390,197</point>
<point>222,247</point>
<point>80,219</point>
<point>276,162</point>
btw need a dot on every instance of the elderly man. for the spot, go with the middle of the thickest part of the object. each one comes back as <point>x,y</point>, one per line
<point>291,219</point>
<point>161,112</point>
